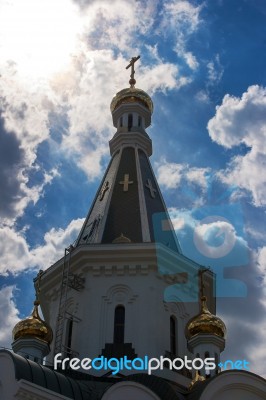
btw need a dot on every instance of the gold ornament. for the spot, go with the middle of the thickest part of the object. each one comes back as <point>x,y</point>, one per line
<point>132,95</point>
<point>34,326</point>
<point>205,322</point>
<point>121,239</point>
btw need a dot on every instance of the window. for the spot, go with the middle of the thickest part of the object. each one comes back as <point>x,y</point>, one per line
<point>121,121</point>
<point>130,121</point>
<point>139,121</point>
<point>119,324</point>
<point>217,362</point>
<point>172,335</point>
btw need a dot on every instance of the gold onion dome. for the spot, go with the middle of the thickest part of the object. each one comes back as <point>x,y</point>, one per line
<point>131,95</point>
<point>33,327</point>
<point>205,322</point>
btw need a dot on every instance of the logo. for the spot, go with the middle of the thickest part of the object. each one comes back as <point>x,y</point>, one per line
<point>138,364</point>
<point>238,364</point>
<point>145,364</point>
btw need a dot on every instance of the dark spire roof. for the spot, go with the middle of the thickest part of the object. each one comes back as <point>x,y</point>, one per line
<point>129,199</point>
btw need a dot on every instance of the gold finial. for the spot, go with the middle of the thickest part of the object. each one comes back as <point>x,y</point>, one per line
<point>197,378</point>
<point>132,80</point>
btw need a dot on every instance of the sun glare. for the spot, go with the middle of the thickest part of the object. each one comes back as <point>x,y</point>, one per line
<point>39,36</point>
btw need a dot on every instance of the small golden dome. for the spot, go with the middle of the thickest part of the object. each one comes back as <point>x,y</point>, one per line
<point>121,239</point>
<point>132,95</point>
<point>205,322</point>
<point>33,327</point>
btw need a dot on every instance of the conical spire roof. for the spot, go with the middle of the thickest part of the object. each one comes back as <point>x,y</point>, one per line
<point>129,199</point>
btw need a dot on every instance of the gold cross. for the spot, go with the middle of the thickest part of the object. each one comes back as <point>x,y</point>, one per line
<point>202,286</point>
<point>38,284</point>
<point>151,188</point>
<point>104,189</point>
<point>131,64</point>
<point>126,182</point>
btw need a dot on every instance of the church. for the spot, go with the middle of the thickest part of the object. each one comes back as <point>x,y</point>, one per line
<point>125,314</point>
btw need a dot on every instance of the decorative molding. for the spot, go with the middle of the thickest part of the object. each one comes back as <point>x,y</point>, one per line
<point>177,307</point>
<point>119,270</point>
<point>122,291</point>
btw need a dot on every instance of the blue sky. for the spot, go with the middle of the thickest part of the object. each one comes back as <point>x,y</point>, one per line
<point>203,63</point>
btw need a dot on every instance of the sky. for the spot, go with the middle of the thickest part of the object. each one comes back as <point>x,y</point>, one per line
<point>203,64</point>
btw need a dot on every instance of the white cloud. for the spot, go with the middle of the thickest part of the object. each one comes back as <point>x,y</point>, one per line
<point>16,256</point>
<point>170,174</point>
<point>37,87</point>
<point>8,315</point>
<point>25,116</point>
<point>197,176</point>
<point>55,241</point>
<point>182,17</point>
<point>118,24</point>
<point>161,77</point>
<point>202,96</point>
<point>251,321</point>
<point>181,13</point>
<point>191,60</point>
<point>261,255</point>
<point>258,353</point>
<point>215,70</point>
<point>243,121</point>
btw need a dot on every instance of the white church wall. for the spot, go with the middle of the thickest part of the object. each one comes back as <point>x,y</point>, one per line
<point>237,385</point>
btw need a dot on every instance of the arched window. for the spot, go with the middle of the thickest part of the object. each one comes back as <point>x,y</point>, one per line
<point>130,121</point>
<point>69,331</point>
<point>217,362</point>
<point>172,335</point>
<point>119,324</point>
<point>205,371</point>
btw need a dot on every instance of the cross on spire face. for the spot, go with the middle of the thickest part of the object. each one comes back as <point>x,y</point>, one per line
<point>151,188</point>
<point>104,189</point>
<point>132,80</point>
<point>125,183</point>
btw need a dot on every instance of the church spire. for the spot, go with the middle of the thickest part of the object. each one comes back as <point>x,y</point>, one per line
<point>129,199</point>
